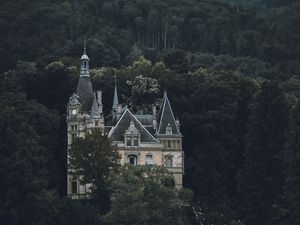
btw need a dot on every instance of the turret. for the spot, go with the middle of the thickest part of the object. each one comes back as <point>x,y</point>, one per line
<point>84,86</point>
<point>115,106</point>
<point>84,63</point>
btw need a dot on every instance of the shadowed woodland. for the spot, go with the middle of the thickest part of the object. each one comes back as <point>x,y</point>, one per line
<point>232,72</point>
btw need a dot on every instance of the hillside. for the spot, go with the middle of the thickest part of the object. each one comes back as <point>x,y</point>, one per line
<point>232,72</point>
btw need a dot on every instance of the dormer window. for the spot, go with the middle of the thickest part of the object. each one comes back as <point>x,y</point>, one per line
<point>128,141</point>
<point>168,129</point>
<point>132,136</point>
<point>135,141</point>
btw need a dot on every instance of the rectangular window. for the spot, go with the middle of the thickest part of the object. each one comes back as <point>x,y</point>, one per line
<point>169,144</point>
<point>74,136</point>
<point>74,187</point>
<point>96,123</point>
<point>128,141</point>
<point>149,160</point>
<point>73,127</point>
<point>132,159</point>
<point>135,141</point>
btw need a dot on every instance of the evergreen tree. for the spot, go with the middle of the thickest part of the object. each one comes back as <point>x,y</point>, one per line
<point>261,179</point>
<point>291,195</point>
<point>24,169</point>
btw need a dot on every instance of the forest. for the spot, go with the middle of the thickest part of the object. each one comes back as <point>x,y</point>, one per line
<point>232,72</point>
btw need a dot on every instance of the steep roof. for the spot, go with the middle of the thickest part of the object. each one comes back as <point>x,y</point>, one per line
<point>85,92</point>
<point>166,117</point>
<point>95,111</point>
<point>117,132</point>
<point>145,119</point>
<point>116,100</point>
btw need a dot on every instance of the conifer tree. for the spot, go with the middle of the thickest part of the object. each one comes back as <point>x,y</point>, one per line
<point>260,180</point>
<point>291,196</point>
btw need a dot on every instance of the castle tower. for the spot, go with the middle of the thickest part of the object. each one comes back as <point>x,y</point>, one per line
<point>84,86</point>
<point>169,134</point>
<point>84,112</point>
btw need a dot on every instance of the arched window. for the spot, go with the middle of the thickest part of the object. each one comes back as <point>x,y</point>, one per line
<point>168,161</point>
<point>74,187</point>
<point>132,159</point>
<point>84,65</point>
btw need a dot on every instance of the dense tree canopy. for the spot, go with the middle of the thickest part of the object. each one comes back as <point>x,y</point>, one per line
<point>95,158</point>
<point>146,195</point>
<point>232,72</point>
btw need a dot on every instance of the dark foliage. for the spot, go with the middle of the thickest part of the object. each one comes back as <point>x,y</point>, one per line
<point>231,69</point>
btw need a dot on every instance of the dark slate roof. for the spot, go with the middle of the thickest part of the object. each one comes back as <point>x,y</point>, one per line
<point>145,119</point>
<point>151,130</point>
<point>116,100</point>
<point>85,92</point>
<point>117,132</point>
<point>95,111</point>
<point>165,117</point>
<point>113,120</point>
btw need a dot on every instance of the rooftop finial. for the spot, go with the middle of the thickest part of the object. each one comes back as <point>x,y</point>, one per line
<point>84,45</point>
<point>165,93</point>
<point>116,100</point>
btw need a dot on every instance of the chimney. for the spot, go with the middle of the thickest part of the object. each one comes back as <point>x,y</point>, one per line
<point>154,112</point>
<point>177,123</point>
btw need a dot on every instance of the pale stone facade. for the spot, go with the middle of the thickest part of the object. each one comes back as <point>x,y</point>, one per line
<point>142,139</point>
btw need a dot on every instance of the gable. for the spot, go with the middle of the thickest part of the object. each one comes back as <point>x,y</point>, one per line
<point>117,132</point>
<point>166,117</point>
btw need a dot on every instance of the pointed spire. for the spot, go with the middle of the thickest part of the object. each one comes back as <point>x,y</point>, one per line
<point>95,112</point>
<point>84,86</point>
<point>84,61</point>
<point>167,123</point>
<point>116,100</point>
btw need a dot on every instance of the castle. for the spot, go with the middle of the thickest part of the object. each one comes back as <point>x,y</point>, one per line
<point>142,139</point>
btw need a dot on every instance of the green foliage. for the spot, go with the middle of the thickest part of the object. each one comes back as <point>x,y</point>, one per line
<point>262,177</point>
<point>27,161</point>
<point>144,195</point>
<point>144,92</point>
<point>177,61</point>
<point>290,198</point>
<point>76,213</point>
<point>213,57</point>
<point>213,123</point>
<point>95,159</point>
<point>119,32</point>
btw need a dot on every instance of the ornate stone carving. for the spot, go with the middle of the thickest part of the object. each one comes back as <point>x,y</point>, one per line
<point>74,99</point>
